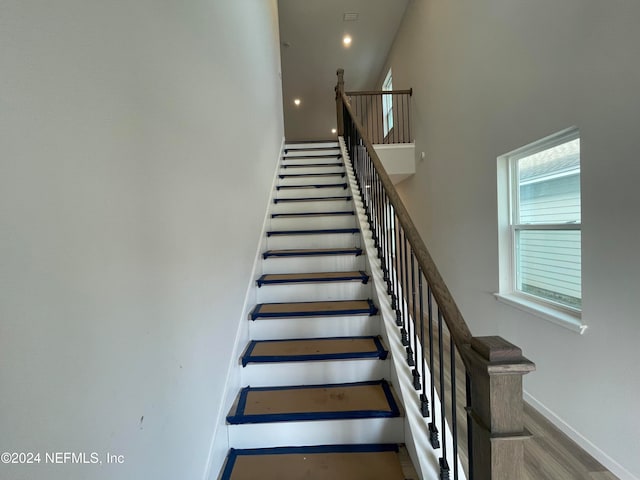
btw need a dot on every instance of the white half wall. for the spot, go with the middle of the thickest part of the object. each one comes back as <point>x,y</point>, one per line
<point>398,159</point>
<point>492,76</point>
<point>138,146</point>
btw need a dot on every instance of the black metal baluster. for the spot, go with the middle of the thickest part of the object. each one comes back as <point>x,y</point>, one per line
<point>454,413</point>
<point>424,401</point>
<point>396,269</point>
<point>388,211</point>
<point>412,311</point>
<point>433,429</point>
<point>444,465</point>
<point>469,425</point>
<point>403,286</point>
<point>412,354</point>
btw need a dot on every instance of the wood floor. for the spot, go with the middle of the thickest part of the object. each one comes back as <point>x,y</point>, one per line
<point>551,455</point>
<point>548,455</point>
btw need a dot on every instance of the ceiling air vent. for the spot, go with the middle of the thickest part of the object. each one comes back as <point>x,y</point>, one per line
<point>350,17</point>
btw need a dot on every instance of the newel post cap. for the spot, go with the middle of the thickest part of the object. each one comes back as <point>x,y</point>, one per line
<point>500,356</point>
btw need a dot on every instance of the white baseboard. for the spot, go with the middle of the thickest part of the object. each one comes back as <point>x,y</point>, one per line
<point>220,439</point>
<point>613,466</point>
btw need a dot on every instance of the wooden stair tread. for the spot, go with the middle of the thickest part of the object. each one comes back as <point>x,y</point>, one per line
<point>313,349</point>
<point>311,309</point>
<point>335,462</point>
<point>311,252</point>
<point>314,277</point>
<point>314,402</point>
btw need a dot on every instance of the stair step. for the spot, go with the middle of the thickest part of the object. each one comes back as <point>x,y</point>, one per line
<point>311,155</point>
<point>312,214</point>
<point>320,185</point>
<point>335,462</point>
<point>312,252</point>
<point>313,349</point>
<point>309,165</point>
<point>327,231</point>
<point>320,144</point>
<point>316,277</point>
<point>314,402</point>
<point>346,198</point>
<point>314,309</point>
<point>308,175</point>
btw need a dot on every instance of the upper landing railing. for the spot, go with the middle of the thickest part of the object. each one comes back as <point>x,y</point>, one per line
<point>470,388</point>
<point>385,115</point>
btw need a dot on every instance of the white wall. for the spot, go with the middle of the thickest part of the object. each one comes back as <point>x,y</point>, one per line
<point>138,143</point>
<point>489,77</point>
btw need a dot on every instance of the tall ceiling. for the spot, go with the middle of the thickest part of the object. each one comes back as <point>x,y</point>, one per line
<point>311,50</point>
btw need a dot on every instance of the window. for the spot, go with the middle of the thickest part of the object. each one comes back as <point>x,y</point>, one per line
<point>387,104</point>
<point>540,222</point>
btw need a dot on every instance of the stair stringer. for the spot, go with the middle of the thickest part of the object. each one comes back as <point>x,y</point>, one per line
<point>219,447</point>
<point>423,456</point>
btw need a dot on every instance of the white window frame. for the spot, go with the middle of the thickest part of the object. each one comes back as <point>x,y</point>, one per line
<point>508,203</point>
<point>387,104</point>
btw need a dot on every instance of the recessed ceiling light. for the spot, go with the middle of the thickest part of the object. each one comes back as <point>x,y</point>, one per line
<point>333,130</point>
<point>346,40</point>
<point>297,102</point>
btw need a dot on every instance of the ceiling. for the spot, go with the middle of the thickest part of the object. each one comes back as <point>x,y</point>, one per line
<point>311,51</point>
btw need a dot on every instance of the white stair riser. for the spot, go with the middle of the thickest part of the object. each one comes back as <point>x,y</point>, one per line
<point>313,327</point>
<point>325,153</point>
<point>331,240</point>
<point>309,145</point>
<point>311,169</point>
<point>314,180</point>
<point>325,432</point>
<point>314,373</point>
<point>328,263</point>
<point>315,222</point>
<point>312,292</point>
<point>323,206</point>
<point>312,192</point>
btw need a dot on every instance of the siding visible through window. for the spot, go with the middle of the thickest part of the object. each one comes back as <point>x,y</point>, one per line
<point>544,246</point>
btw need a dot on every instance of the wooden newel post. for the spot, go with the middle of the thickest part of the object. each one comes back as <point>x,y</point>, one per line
<point>496,368</point>
<point>339,91</point>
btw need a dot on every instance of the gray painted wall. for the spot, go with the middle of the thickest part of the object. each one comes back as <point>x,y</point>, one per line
<point>131,202</point>
<point>489,77</point>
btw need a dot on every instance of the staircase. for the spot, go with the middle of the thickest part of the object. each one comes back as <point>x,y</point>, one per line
<point>318,402</point>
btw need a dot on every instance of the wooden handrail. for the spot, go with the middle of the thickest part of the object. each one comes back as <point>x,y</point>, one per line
<point>494,367</point>
<point>455,322</point>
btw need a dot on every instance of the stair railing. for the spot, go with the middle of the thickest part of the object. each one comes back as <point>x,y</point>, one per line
<point>478,380</point>
<point>385,115</point>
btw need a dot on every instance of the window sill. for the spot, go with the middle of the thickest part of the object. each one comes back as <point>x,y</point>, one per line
<point>563,319</point>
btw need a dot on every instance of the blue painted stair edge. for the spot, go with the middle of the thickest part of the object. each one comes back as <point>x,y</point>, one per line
<point>303,175</point>
<point>345,198</point>
<point>371,310</point>
<point>241,418</point>
<point>274,253</point>
<point>312,232</point>
<point>319,185</point>
<point>312,214</point>
<point>309,450</point>
<point>248,356</point>
<point>363,277</point>
<point>308,165</point>
<point>311,157</point>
